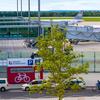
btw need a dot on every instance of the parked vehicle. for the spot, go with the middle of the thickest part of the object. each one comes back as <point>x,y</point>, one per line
<point>98,85</point>
<point>3,84</point>
<point>33,82</point>
<point>79,82</point>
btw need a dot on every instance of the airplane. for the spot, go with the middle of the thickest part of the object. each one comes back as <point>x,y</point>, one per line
<point>77,19</point>
<point>47,23</point>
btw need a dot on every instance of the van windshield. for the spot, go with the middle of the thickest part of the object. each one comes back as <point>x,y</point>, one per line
<point>2,81</point>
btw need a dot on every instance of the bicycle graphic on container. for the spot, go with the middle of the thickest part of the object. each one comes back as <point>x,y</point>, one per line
<point>22,77</point>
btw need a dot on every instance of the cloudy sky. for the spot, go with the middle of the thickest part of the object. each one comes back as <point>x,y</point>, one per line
<point>10,5</point>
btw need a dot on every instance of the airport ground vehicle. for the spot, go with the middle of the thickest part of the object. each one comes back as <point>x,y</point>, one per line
<point>3,84</point>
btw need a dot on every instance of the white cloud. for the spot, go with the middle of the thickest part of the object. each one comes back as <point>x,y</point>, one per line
<point>53,5</point>
<point>72,5</point>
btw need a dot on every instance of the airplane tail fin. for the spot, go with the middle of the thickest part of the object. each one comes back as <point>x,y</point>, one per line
<point>79,15</point>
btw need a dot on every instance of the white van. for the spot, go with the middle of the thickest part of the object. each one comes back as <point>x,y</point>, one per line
<point>3,84</point>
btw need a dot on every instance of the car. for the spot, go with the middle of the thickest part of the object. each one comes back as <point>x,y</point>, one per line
<point>32,83</point>
<point>3,84</point>
<point>79,82</point>
<point>98,85</point>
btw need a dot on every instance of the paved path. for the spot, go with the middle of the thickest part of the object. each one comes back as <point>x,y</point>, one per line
<point>22,95</point>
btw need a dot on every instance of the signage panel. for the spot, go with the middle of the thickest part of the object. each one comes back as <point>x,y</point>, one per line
<point>20,62</point>
<point>22,74</point>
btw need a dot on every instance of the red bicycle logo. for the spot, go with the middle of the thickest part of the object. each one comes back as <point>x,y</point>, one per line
<point>22,77</point>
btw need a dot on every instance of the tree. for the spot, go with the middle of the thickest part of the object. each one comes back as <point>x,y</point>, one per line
<point>58,58</point>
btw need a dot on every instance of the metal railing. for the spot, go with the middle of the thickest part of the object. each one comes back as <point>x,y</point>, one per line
<point>93,58</point>
<point>20,54</point>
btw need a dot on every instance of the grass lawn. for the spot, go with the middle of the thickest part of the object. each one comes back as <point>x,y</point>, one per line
<point>63,18</point>
<point>91,18</point>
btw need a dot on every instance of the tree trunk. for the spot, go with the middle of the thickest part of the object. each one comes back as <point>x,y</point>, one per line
<point>60,98</point>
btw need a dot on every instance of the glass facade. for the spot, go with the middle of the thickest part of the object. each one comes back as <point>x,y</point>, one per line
<point>17,28</point>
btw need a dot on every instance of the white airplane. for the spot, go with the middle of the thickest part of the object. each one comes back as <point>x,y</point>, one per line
<point>76,20</point>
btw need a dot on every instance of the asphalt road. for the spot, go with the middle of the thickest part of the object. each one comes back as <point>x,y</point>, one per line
<point>22,95</point>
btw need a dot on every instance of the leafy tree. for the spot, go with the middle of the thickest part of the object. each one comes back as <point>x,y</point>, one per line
<point>58,58</point>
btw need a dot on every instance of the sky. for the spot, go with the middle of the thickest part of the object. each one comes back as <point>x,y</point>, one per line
<point>10,5</point>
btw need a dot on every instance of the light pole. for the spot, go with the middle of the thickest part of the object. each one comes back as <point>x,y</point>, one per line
<point>17,13</point>
<point>29,19</point>
<point>39,23</point>
<point>29,10</point>
<point>21,8</point>
<point>17,8</point>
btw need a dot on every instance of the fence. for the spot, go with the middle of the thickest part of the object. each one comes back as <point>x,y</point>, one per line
<point>93,58</point>
<point>17,54</point>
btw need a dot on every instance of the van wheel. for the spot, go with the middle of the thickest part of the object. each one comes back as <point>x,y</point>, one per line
<point>2,89</point>
<point>27,89</point>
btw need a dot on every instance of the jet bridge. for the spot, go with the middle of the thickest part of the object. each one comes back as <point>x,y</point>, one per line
<point>81,33</point>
